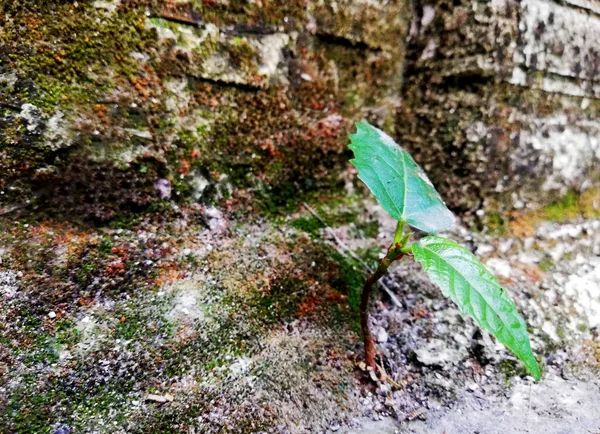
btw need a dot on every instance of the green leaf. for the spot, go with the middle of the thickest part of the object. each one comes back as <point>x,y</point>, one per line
<point>396,181</point>
<point>477,292</point>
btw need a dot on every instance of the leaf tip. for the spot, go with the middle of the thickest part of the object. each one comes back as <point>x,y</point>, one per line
<point>534,370</point>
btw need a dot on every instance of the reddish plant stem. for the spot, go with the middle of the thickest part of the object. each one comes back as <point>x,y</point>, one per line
<point>394,253</point>
<point>364,316</point>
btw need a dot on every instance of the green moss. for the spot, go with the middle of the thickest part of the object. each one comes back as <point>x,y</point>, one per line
<point>257,139</point>
<point>511,368</point>
<point>567,208</point>
<point>351,280</point>
<point>142,322</point>
<point>35,410</point>
<point>337,211</point>
<point>242,54</point>
<point>547,263</point>
<point>79,391</point>
<point>43,350</point>
<point>69,57</point>
<point>74,65</point>
<point>105,246</point>
<point>280,302</point>
<point>589,203</point>
<point>309,225</point>
<point>568,256</point>
<point>66,332</point>
<point>123,221</point>
<point>494,224</point>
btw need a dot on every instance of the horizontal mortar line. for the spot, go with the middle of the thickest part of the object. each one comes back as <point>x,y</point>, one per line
<point>179,20</point>
<point>241,86</point>
<point>568,3</point>
<point>243,29</point>
<point>593,81</point>
<point>489,67</point>
<point>556,76</point>
<point>459,61</point>
<point>240,31</point>
<point>489,74</point>
<point>345,42</point>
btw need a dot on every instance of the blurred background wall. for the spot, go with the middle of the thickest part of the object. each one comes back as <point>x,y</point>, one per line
<point>108,106</point>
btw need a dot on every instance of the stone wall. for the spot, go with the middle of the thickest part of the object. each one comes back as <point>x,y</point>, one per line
<point>108,106</point>
<point>502,99</point>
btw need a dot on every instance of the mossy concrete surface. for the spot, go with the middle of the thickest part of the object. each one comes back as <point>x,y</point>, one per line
<point>107,106</point>
<point>170,326</point>
<point>191,319</point>
<point>501,100</point>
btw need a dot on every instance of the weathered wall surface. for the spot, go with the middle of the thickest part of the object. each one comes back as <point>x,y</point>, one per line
<point>106,105</point>
<point>502,99</point>
<point>146,285</point>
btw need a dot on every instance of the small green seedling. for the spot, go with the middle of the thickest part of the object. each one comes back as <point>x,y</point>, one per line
<point>405,192</point>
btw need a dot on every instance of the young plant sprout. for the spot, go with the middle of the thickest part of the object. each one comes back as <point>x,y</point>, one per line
<point>407,195</point>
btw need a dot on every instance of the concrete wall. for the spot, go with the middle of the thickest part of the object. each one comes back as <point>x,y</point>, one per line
<point>114,104</point>
<point>506,96</point>
<point>118,103</point>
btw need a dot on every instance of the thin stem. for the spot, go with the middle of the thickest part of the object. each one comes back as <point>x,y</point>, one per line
<point>399,232</point>
<point>395,252</point>
<point>364,316</point>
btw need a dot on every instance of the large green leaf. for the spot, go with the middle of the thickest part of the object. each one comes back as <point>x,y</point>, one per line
<point>398,183</point>
<point>477,292</point>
